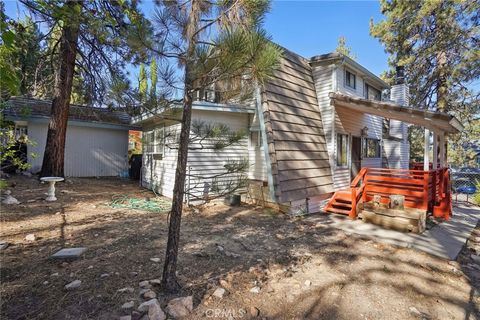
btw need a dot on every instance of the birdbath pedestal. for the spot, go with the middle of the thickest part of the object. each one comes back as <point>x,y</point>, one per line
<point>51,187</point>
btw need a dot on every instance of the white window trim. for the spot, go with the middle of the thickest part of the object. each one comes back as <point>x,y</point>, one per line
<point>158,147</point>
<point>349,145</point>
<point>364,156</point>
<point>354,88</point>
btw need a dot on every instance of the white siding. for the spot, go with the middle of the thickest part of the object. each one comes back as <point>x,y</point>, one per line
<point>89,151</point>
<point>204,163</point>
<point>331,79</point>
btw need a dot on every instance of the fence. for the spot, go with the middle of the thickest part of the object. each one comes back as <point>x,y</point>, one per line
<point>465,185</point>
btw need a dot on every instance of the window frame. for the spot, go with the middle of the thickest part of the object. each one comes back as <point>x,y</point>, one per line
<point>338,149</point>
<point>155,141</point>
<point>347,79</point>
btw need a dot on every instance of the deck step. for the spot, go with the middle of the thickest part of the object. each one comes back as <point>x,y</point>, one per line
<point>336,210</point>
<point>341,204</point>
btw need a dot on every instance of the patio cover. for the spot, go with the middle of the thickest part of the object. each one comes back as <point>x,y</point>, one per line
<point>435,121</point>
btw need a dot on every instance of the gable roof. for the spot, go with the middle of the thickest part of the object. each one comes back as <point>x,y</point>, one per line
<point>23,108</point>
<point>296,141</point>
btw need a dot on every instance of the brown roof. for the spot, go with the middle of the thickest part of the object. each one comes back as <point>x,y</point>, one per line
<point>296,141</point>
<point>24,108</point>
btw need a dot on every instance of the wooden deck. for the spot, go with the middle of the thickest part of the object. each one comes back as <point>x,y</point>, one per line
<point>423,190</point>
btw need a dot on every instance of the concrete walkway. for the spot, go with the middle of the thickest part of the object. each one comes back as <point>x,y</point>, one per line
<point>444,240</point>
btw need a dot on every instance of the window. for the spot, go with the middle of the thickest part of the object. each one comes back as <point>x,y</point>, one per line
<point>342,150</point>
<point>372,93</point>
<point>371,148</point>
<point>154,141</point>
<point>255,139</point>
<point>350,80</point>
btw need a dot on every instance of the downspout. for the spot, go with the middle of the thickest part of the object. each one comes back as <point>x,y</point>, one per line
<point>268,163</point>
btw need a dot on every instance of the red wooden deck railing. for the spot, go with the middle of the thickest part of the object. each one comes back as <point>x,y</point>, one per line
<point>425,190</point>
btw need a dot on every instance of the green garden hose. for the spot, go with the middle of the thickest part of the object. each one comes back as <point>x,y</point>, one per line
<point>156,204</point>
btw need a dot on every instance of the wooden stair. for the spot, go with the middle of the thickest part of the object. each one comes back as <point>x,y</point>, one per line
<point>341,203</point>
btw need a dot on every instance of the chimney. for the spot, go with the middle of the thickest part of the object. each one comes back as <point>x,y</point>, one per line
<point>399,92</point>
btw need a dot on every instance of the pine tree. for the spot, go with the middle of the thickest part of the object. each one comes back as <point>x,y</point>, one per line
<point>142,83</point>
<point>94,39</point>
<point>342,48</point>
<point>153,79</point>
<point>218,45</point>
<point>437,42</point>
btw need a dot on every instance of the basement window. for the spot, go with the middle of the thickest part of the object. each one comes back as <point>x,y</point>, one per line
<point>350,80</point>
<point>342,150</point>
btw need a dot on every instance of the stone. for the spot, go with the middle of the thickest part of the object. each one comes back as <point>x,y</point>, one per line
<point>155,282</point>
<point>180,307</point>
<point>54,274</point>
<point>30,237</point>
<point>156,260</point>
<point>219,292</point>
<point>73,285</point>
<point>417,313</point>
<point>128,305</point>
<point>144,284</point>
<point>9,199</point>
<point>45,283</point>
<point>90,267</point>
<point>255,290</point>
<point>225,284</point>
<point>129,317</point>
<point>27,174</point>
<point>307,283</point>
<point>69,253</point>
<point>146,305</point>
<point>254,311</point>
<point>133,274</point>
<point>3,245</point>
<point>150,294</point>
<point>104,275</point>
<point>155,312</point>
<point>126,290</point>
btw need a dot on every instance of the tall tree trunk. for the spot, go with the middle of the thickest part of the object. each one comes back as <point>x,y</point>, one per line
<point>442,85</point>
<point>53,157</point>
<point>169,278</point>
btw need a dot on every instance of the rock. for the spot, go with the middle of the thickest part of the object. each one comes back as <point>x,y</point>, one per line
<point>90,267</point>
<point>144,284</point>
<point>156,260</point>
<point>155,281</point>
<point>255,290</point>
<point>133,274</point>
<point>219,292</point>
<point>146,305</point>
<point>150,294</point>
<point>155,312</point>
<point>30,237</point>
<point>3,245</point>
<point>129,317</point>
<point>73,285</point>
<point>307,283</point>
<point>45,283</point>
<point>9,199</point>
<point>126,290</point>
<point>69,253</point>
<point>225,284</point>
<point>26,174</point>
<point>180,307</point>
<point>415,312</point>
<point>128,305</point>
<point>104,275</point>
<point>254,311</point>
<point>54,274</point>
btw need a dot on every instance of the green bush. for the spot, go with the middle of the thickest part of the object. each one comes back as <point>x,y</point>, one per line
<point>476,196</point>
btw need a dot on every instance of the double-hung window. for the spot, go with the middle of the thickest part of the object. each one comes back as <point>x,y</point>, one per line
<point>154,141</point>
<point>350,80</point>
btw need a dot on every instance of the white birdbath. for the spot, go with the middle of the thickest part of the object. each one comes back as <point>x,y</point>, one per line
<point>51,187</point>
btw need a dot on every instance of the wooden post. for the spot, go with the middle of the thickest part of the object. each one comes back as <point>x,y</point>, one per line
<point>443,155</point>
<point>435,151</point>
<point>426,161</point>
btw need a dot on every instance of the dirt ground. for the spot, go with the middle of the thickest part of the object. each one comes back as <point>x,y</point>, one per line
<point>272,266</point>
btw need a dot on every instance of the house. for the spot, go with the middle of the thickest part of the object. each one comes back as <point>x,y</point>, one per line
<point>96,143</point>
<point>312,128</point>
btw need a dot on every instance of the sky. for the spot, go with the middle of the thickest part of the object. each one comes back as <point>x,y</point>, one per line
<point>310,28</point>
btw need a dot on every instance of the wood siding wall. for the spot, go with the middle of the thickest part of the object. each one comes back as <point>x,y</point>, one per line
<point>296,139</point>
<point>89,151</point>
<point>204,164</point>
